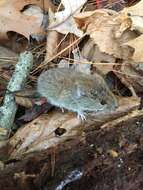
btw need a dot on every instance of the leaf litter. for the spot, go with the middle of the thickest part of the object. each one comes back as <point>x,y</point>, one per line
<point>90,40</point>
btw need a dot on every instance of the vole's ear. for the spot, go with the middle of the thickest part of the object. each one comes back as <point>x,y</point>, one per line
<point>78,92</point>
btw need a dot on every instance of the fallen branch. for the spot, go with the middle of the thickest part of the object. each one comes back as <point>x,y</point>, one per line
<point>16,83</point>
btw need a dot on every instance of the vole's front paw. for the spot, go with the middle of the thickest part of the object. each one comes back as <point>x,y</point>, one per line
<point>81,115</point>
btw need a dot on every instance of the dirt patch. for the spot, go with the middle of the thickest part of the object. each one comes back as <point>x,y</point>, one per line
<point>107,159</point>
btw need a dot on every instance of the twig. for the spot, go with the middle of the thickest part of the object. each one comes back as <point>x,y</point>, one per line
<point>16,83</point>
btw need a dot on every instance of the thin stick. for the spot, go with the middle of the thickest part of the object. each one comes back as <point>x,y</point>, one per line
<point>16,83</point>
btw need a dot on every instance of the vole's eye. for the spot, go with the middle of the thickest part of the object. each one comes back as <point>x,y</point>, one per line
<point>103,102</point>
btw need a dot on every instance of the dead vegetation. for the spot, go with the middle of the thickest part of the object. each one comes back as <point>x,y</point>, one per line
<point>43,148</point>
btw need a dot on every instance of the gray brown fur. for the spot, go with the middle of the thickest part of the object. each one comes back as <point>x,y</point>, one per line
<point>76,91</point>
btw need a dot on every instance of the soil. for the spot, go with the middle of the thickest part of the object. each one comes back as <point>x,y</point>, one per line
<point>105,159</point>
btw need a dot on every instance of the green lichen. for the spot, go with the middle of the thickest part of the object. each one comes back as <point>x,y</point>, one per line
<point>16,83</point>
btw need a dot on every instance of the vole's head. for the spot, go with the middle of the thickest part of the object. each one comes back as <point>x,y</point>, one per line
<point>107,98</point>
<point>104,94</point>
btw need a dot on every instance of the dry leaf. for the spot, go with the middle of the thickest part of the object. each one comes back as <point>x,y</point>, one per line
<point>51,45</point>
<point>107,29</point>
<point>40,134</point>
<point>7,57</point>
<point>135,13</point>
<point>91,52</point>
<point>64,22</point>
<point>12,19</point>
<point>23,101</point>
<point>137,44</point>
<point>134,10</point>
<point>131,77</point>
<point>101,61</point>
<point>137,23</point>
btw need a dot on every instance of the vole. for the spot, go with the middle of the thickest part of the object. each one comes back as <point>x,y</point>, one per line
<point>76,91</point>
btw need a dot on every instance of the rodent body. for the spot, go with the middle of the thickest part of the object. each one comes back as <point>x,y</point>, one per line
<point>76,91</point>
